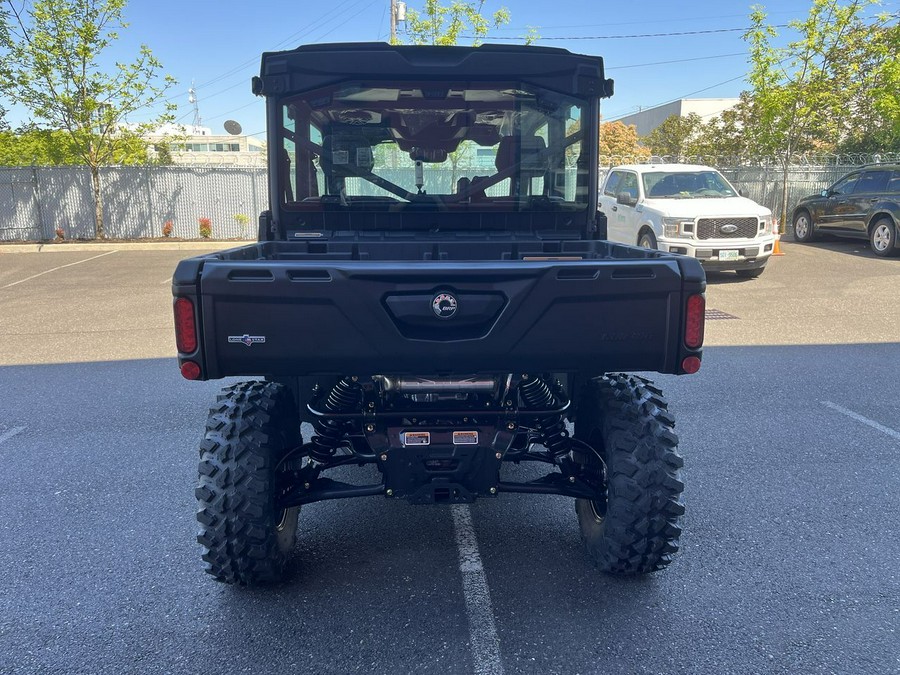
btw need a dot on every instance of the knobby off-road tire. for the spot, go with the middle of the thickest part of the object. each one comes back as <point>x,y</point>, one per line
<point>633,526</point>
<point>246,539</point>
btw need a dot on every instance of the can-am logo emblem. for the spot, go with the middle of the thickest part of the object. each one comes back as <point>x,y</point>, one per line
<point>444,305</point>
<point>248,340</point>
<point>728,229</point>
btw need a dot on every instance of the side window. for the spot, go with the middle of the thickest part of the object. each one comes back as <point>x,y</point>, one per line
<point>872,181</point>
<point>629,185</point>
<point>845,185</point>
<point>613,183</point>
<point>893,186</point>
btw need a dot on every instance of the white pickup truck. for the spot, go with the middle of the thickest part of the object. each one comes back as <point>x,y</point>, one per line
<point>688,209</point>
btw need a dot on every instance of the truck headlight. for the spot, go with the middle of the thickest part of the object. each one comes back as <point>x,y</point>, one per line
<point>767,224</point>
<point>678,227</point>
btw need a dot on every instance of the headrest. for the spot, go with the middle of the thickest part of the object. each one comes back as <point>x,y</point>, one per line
<point>529,152</point>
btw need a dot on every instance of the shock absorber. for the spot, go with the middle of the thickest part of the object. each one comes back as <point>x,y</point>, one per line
<point>537,395</point>
<point>344,397</point>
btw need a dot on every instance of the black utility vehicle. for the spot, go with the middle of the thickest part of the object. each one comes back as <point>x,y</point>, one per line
<point>864,204</point>
<point>432,291</point>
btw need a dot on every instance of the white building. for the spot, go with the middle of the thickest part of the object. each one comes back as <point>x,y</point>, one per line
<point>198,145</point>
<point>647,120</point>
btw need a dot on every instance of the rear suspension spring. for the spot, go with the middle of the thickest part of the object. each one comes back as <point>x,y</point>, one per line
<point>345,396</point>
<point>537,395</point>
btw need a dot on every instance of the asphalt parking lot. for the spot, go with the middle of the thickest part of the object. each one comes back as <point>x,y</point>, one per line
<point>789,559</point>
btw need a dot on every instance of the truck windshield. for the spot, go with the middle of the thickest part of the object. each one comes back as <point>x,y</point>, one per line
<point>686,185</point>
<point>442,146</point>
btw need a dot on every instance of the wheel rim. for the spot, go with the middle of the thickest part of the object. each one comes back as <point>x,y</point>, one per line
<point>881,237</point>
<point>645,242</point>
<point>801,227</point>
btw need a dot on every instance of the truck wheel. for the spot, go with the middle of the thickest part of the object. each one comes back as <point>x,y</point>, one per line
<point>804,229</point>
<point>245,537</point>
<point>647,240</point>
<point>633,525</point>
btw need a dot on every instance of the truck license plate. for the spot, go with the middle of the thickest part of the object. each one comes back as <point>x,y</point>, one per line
<point>729,255</point>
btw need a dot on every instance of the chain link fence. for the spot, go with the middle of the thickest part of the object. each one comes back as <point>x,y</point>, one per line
<point>139,201</point>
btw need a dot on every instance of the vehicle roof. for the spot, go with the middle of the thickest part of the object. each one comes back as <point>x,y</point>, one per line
<point>663,167</point>
<point>889,166</point>
<point>309,67</point>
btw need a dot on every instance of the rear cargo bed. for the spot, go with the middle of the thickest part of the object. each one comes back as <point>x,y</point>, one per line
<point>310,307</point>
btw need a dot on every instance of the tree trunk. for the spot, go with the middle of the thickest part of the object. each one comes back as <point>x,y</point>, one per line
<point>785,166</point>
<point>98,203</point>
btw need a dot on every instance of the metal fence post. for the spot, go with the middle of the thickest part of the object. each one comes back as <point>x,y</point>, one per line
<point>38,200</point>
<point>152,229</point>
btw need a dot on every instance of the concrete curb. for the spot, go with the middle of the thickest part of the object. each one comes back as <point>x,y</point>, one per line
<point>123,246</point>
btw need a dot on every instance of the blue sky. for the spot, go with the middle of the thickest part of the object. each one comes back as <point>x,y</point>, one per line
<point>217,44</point>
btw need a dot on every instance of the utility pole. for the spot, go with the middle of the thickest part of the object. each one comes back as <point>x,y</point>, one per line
<point>398,15</point>
<point>393,22</point>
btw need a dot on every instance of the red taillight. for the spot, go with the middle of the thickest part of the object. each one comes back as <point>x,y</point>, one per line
<point>190,370</point>
<point>690,365</point>
<point>693,324</point>
<point>185,328</point>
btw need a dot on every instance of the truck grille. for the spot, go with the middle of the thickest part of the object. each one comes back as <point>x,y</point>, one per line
<point>711,228</point>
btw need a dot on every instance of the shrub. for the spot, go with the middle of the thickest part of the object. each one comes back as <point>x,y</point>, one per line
<point>60,233</point>
<point>167,228</point>
<point>242,219</point>
<point>205,227</point>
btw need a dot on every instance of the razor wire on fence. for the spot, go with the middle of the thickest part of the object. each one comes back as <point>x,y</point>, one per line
<point>37,203</point>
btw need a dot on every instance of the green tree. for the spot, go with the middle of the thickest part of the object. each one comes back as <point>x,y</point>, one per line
<point>676,136</point>
<point>50,62</point>
<point>439,24</point>
<point>45,147</point>
<point>875,123</point>
<point>806,95</point>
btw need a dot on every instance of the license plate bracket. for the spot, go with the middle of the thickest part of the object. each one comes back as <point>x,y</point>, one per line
<point>729,254</point>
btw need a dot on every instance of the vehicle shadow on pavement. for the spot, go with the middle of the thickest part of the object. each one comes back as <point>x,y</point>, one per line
<point>855,247</point>
<point>785,565</point>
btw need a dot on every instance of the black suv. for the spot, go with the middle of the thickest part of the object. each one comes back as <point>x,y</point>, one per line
<point>864,204</point>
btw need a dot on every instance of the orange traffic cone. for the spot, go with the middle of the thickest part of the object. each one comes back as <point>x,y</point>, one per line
<point>776,250</point>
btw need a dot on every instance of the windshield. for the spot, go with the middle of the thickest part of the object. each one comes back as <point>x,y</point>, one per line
<point>441,146</point>
<point>686,185</point>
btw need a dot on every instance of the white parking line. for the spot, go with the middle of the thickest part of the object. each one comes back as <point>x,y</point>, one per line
<point>40,274</point>
<point>166,281</point>
<point>9,433</point>
<point>865,420</point>
<point>482,631</point>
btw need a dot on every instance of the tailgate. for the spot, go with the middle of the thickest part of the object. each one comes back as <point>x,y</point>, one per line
<point>300,318</point>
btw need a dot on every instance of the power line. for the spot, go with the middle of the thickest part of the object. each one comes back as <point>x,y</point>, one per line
<point>644,22</point>
<point>333,14</point>
<point>698,91</point>
<point>663,63</point>
<point>624,37</point>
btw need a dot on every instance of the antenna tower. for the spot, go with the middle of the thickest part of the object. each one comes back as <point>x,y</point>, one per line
<point>192,99</point>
